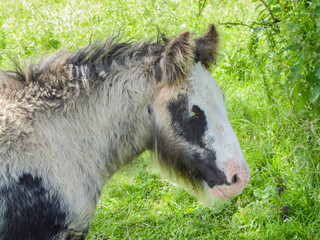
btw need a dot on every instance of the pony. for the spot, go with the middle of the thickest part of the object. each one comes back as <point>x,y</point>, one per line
<point>70,121</point>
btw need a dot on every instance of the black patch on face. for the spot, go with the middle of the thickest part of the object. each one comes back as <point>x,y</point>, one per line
<point>191,128</point>
<point>187,163</point>
<point>31,212</point>
<point>208,170</point>
<point>190,165</point>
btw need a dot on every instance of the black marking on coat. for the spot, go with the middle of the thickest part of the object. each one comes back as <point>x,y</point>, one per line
<point>32,212</point>
<point>77,235</point>
<point>192,166</point>
<point>158,71</point>
<point>209,170</point>
<point>191,128</point>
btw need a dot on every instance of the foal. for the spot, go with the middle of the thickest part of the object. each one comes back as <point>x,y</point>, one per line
<point>68,123</point>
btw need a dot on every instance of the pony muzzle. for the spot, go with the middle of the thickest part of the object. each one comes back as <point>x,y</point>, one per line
<point>238,175</point>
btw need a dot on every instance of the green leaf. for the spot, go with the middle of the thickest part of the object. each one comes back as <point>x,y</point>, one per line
<point>257,192</point>
<point>296,69</point>
<point>302,99</point>
<point>276,10</point>
<point>300,104</point>
<point>317,72</point>
<point>311,77</point>
<point>258,6</point>
<point>293,47</point>
<point>315,94</point>
<point>264,194</point>
<point>278,73</point>
<point>297,88</point>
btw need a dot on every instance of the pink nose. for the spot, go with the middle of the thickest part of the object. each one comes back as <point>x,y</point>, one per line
<point>238,174</point>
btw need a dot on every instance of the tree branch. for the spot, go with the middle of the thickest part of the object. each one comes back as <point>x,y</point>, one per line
<point>275,20</point>
<point>201,8</point>
<point>238,24</point>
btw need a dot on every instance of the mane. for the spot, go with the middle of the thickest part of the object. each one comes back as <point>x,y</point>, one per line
<point>60,78</point>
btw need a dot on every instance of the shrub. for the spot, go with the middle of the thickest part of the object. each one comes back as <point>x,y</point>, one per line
<point>285,48</point>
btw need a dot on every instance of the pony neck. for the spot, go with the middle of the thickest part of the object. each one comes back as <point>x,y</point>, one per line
<point>105,131</point>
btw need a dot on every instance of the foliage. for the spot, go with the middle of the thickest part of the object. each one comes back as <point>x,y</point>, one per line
<point>260,70</point>
<point>285,47</point>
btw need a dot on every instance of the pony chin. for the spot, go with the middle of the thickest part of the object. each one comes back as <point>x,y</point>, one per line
<point>217,192</point>
<point>213,198</point>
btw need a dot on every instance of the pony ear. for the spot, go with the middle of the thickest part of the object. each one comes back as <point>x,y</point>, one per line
<point>207,47</point>
<point>176,60</point>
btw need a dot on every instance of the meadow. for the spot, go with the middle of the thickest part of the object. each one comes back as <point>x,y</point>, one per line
<point>281,144</point>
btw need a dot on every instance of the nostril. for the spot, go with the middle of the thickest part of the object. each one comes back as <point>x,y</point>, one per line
<point>235,179</point>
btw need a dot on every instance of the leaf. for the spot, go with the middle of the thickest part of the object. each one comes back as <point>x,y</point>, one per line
<point>276,10</point>
<point>296,69</point>
<point>311,77</point>
<point>264,194</point>
<point>257,193</point>
<point>297,88</point>
<point>301,100</point>
<point>278,73</point>
<point>317,72</point>
<point>315,94</point>
<point>293,47</point>
<point>258,6</point>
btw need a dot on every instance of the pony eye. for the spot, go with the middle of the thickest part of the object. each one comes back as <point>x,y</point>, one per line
<point>193,113</point>
<point>196,111</point>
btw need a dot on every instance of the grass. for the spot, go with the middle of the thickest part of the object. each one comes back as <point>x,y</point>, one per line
<point>282,200</point>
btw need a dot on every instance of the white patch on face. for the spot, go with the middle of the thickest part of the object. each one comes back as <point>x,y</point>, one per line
<point>219,136</point>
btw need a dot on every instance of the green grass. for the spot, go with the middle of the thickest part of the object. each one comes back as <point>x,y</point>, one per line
<point>282,151</point>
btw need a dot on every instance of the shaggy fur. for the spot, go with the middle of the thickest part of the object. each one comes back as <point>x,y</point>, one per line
<point>69,122</point>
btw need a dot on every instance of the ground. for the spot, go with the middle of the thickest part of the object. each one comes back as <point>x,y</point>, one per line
<point>282,198</point>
